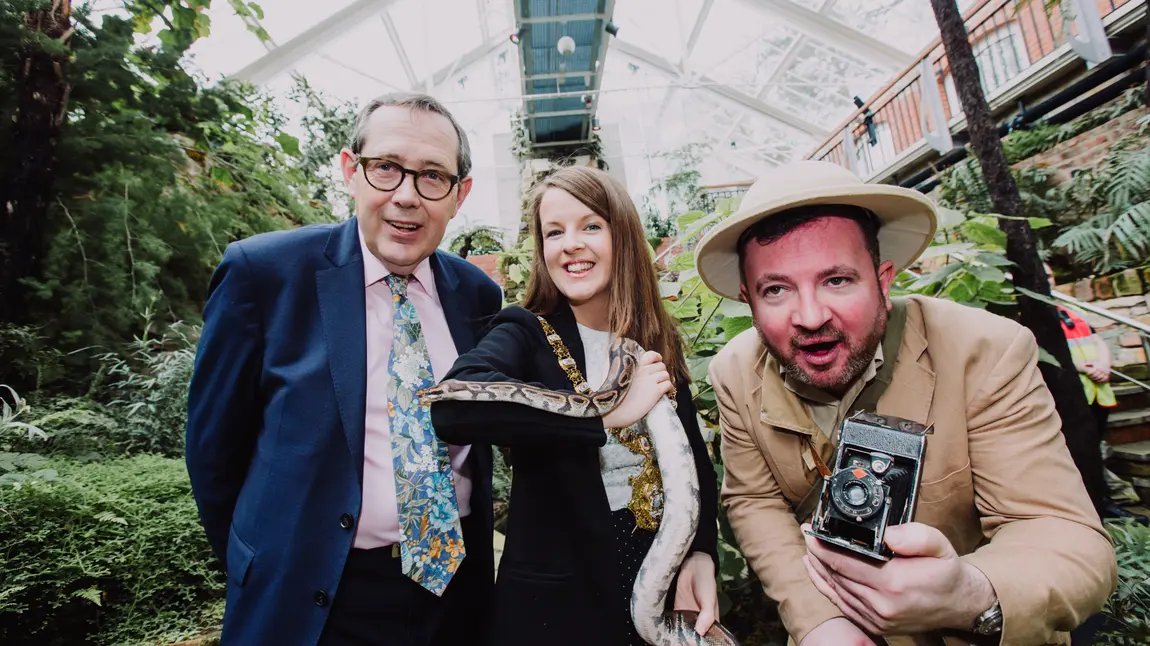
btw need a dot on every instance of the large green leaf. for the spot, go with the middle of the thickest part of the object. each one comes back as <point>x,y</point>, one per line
<point>735,325</point>
<point>983,233</point>
<point>987,274</point>
<point>947,249</point>
<point>683,262</point>
<point>992,258</point>
<point>731,308</point>
<point>689,218</point>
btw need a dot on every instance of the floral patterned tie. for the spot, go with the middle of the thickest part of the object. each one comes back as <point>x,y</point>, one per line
<point>432,548</point>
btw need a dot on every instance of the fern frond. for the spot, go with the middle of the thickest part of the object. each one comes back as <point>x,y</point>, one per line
<point>89,594</point>
<point>109,517</point>
<point>1131,232</point>
<point>1128,178</point>
<point>1085,241</point>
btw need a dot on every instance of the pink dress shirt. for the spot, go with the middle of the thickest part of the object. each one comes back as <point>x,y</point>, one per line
<point>378,519</point>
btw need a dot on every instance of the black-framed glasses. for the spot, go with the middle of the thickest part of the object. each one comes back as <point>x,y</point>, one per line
<point>386,175</point>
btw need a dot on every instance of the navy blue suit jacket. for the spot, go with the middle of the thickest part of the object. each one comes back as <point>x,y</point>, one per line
<point>276,421</point>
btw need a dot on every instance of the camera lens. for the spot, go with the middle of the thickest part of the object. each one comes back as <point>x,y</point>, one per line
<point>856,494</point>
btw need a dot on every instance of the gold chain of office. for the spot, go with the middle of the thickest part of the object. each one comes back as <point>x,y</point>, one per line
<point>646,503</point>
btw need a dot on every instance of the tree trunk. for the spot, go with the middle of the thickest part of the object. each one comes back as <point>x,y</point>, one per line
<point>1078,424</point>
<point>26,188</point>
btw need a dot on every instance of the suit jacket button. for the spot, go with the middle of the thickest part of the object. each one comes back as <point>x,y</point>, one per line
<point>320,598</point>
<point>346,521</point>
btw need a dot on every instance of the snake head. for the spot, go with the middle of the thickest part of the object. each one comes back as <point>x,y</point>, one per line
<point>430,395</point>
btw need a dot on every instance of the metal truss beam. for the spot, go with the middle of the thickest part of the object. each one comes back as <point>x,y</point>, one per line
<point>470,58</point>
<point>696,31</point>
<point>565,17</point>
<point>838,35</point>
<point>287,55</point>
<point>767,110</point>
<point>393,33</point>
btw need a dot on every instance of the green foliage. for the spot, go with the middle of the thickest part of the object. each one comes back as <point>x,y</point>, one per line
<point>1042,136</point>
<point>28,357</point>
<point>515,266</point>
<point>328,127</point>
<point>149,391</point>
<point>155,175</point>
<point>1129,606</point>
<point>477,240</point>
<point>676,192</point>
<point>1114,202</point>
<point>116,555</point>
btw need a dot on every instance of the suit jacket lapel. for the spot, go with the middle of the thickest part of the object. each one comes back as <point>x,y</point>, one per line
<point>343,310</point>
<point>457,308</point>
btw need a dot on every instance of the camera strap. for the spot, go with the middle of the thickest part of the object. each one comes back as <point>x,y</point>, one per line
<point>867,400</point>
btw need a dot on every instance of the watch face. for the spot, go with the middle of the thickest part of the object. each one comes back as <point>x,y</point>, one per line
<point>990,622</point>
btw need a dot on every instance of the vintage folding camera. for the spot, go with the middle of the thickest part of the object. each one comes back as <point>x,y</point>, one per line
<point>873,483</point>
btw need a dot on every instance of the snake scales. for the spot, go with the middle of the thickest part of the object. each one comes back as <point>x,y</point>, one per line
<point>680,485</point>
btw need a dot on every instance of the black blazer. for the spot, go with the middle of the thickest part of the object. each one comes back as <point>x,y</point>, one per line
<point>558,581</point>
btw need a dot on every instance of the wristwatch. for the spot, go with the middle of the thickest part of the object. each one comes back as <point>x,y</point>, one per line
<point>989,622</point>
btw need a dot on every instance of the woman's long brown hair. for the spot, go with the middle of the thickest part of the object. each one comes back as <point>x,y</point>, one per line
<point>636,310</point>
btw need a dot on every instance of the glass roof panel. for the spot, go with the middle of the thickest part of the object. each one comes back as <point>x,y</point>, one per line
<point>651,103</point>
<point>822,82</point>
<point>286,19</point>
<point>425,26</point>
<point>365,54</point>
<point>811,4</point>
<point>739,48</point>
<point>906,24</point>
<point>649,24</point>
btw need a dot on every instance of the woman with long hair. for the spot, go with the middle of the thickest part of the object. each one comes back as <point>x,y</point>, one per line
<point>586,495</point>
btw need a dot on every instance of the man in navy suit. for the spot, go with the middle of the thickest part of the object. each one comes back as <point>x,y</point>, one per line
<point>303,443</point>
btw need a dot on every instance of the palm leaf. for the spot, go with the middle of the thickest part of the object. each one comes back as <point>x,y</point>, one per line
<point>1131,232</point>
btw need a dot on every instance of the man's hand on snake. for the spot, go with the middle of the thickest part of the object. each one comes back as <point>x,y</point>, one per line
<point>650,382</point>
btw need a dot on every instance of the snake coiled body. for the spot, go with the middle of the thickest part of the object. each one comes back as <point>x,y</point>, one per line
<point>680,486</point>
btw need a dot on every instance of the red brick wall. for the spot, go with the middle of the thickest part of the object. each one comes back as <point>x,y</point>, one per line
<point>1087,149</point>
<point>489,263</point>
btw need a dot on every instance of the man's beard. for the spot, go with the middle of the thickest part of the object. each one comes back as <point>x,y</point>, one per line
<point>859,356</point>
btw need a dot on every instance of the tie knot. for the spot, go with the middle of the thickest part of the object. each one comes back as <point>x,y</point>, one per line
<point>397,284</point>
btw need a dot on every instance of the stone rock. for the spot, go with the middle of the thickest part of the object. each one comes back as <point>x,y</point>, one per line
<point>1084,290</point>
<point>1130,340</point>
<point>1123,302</point>
<point>1066,288</point>
<point>1129,357</point>
<point>1103,289</point>
<point>1139,310</point>
<point>1127,283</point>
<point>1097,321</point>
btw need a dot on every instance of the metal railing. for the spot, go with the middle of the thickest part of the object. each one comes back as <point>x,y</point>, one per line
<point>1010,39</point>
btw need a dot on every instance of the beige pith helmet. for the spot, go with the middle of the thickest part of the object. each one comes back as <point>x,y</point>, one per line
<point>907,218</point>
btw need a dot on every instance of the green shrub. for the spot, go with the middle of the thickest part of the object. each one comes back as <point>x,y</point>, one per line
<point>109,552</point>
<point>148,389</point>
<point>1129,606</point>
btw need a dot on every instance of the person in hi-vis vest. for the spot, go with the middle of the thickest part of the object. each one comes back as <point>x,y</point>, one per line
<point>1092,359</point>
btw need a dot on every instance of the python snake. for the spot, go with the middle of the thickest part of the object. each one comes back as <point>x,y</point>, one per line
<point>680,486</point>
